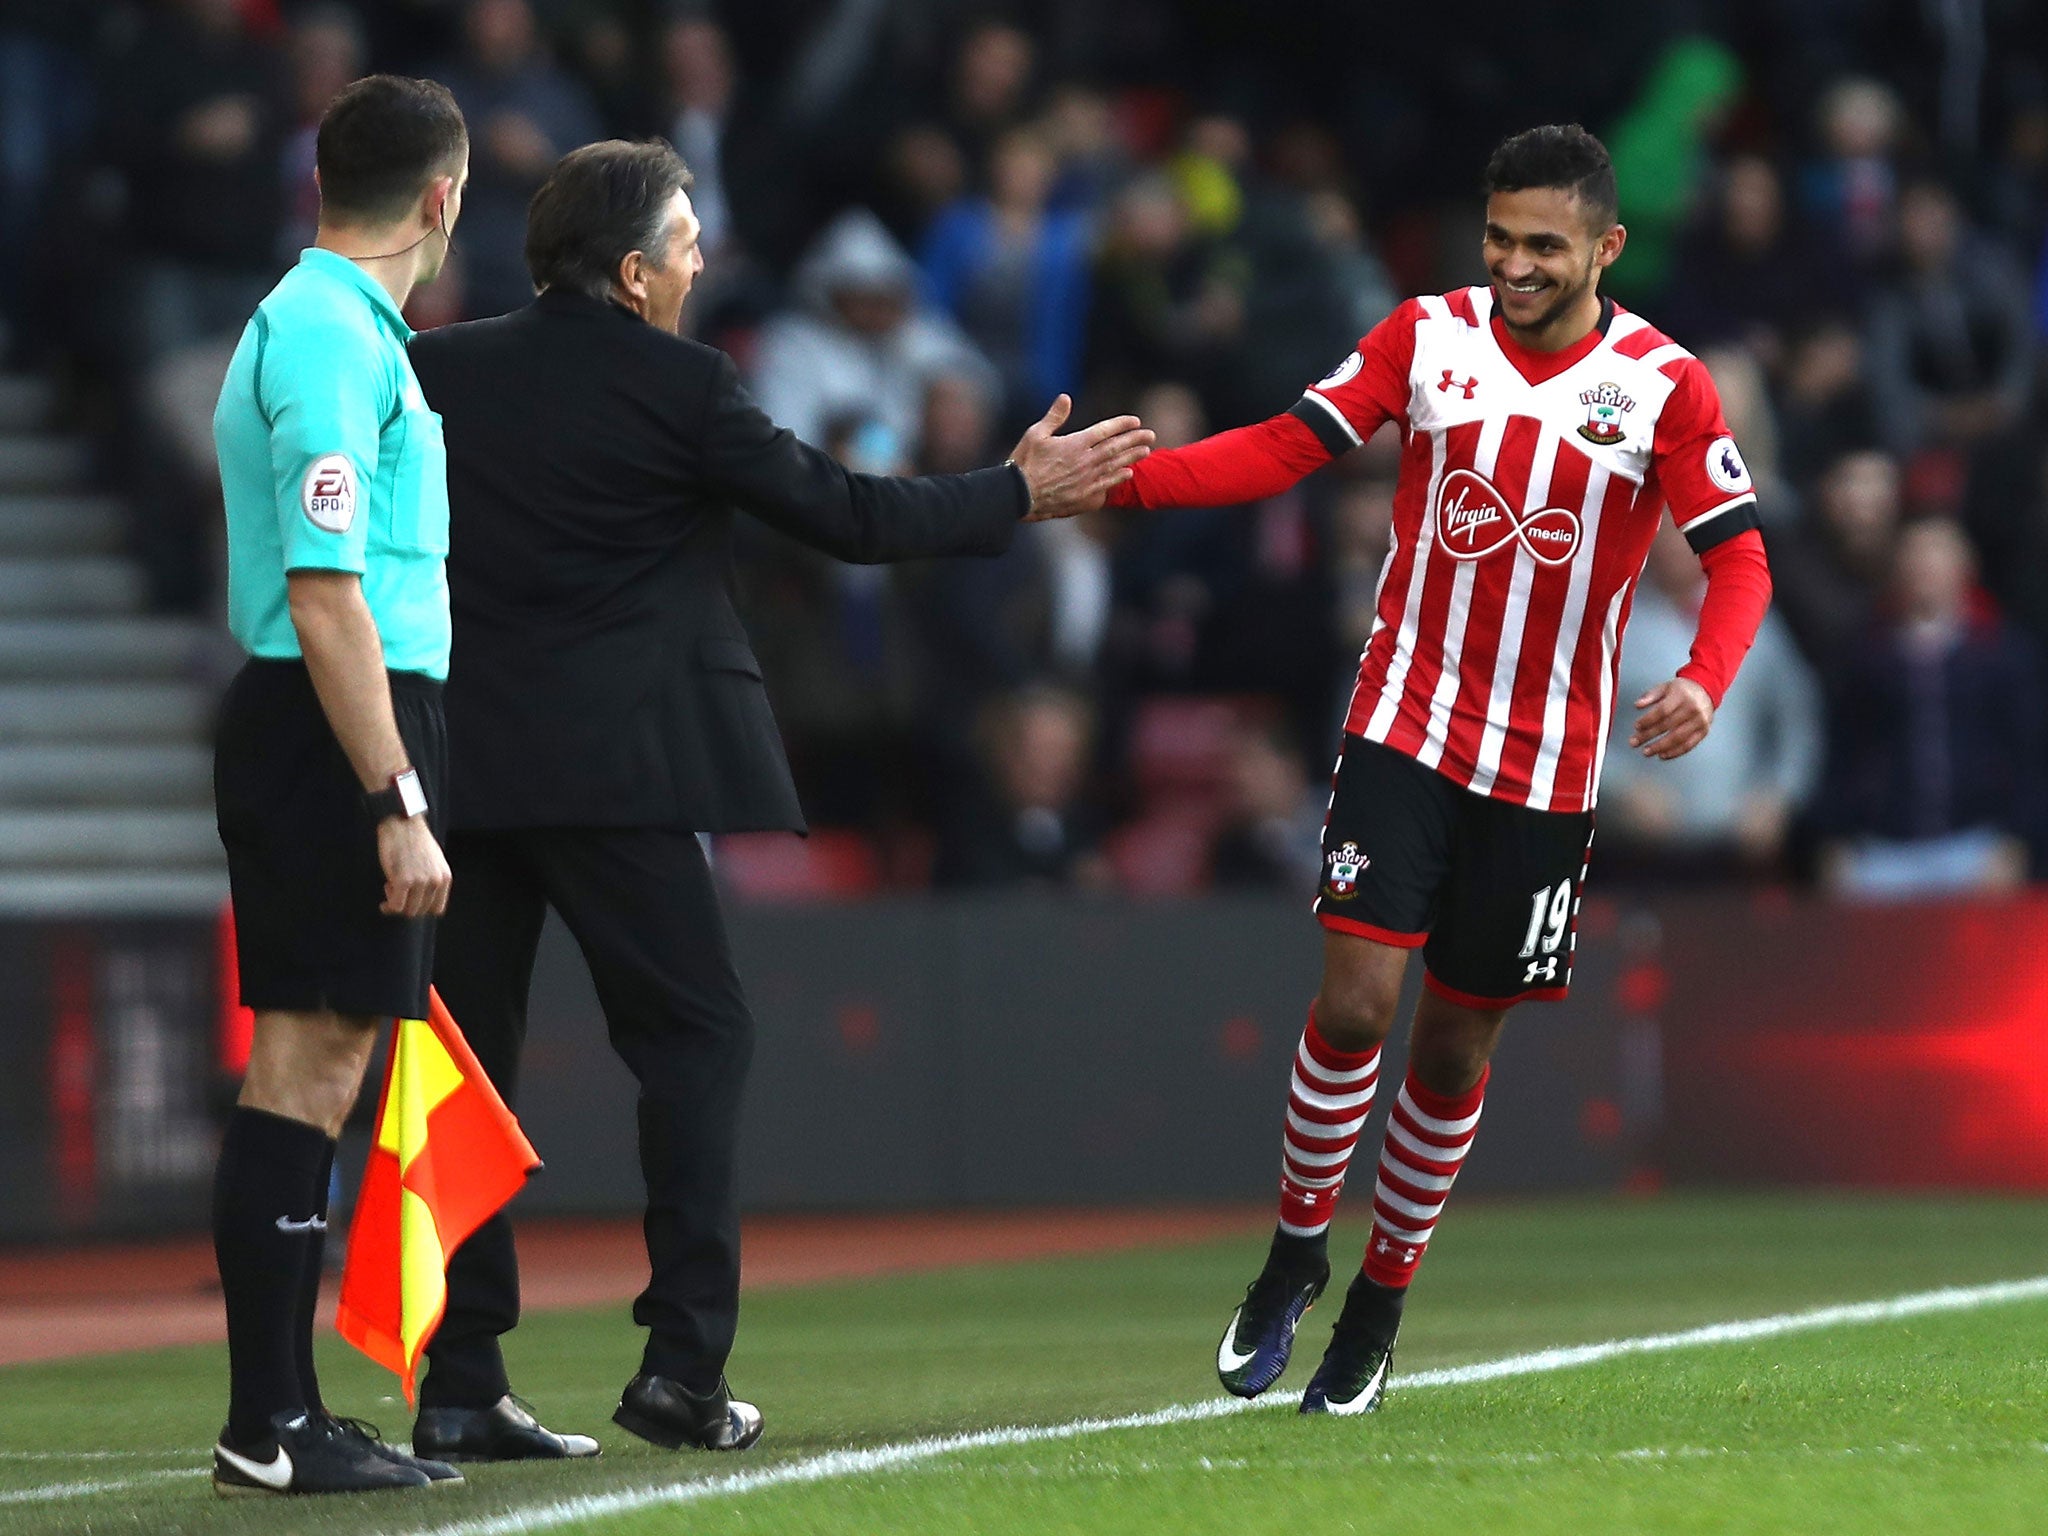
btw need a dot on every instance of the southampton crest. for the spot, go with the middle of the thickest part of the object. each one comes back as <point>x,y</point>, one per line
<point>1346,865</point>
<point>1605,407</point>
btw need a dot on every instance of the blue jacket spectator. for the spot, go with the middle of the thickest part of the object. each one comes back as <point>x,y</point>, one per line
<point>1014,273</point>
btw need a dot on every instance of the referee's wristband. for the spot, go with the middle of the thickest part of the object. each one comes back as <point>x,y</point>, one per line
<point>403,796</point>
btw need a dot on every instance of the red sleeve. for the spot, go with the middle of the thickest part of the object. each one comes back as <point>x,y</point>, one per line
<point>1738,592</point>
<point>1243,464</point>
<point>1697,463</point>
<point>1332,417</point>
<point>1348,404</point>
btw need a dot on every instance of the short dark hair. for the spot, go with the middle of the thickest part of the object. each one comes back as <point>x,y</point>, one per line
<point>1561,155</point>
<point>600,203</point>
<point>382,139</point>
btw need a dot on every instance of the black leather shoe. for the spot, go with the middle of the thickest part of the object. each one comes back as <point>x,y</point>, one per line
<point>505,1431</point>
<point>671,1416</point>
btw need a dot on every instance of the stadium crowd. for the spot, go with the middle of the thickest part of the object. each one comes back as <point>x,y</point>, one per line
<point>923,219</point>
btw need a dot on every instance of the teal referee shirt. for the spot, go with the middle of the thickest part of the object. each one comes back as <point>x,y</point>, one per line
<point>331,461</point>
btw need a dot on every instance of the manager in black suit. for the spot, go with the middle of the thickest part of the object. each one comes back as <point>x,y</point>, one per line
<point>605,707</point>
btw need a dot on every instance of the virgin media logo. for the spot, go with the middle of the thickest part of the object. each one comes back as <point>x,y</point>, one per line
<point>1473,520</point>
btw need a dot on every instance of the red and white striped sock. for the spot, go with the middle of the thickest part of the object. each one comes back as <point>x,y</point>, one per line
<point>1327,1102</point>
<point>1428,1135</point>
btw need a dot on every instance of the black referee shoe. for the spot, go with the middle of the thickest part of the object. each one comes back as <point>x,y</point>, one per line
<point>671,1416</point>
<point>505,1431</point>
<point>307,1454</point>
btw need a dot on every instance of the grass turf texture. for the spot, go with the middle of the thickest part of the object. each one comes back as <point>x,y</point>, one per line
<point>1936,1423</point>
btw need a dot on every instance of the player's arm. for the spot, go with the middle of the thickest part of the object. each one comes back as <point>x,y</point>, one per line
<point>1331,418</point>
<point>324,428</point>
<point>1714,504</point>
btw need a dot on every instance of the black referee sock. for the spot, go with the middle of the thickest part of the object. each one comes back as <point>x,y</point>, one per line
<point>267,1195</point>
<point>307,1320</point>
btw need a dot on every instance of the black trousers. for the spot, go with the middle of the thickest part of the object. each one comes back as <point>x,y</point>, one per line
<point>641,904</point>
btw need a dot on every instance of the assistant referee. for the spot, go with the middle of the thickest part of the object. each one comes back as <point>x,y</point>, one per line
<point>331,751</point>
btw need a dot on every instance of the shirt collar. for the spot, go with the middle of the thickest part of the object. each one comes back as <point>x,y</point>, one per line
<point>343,270</point>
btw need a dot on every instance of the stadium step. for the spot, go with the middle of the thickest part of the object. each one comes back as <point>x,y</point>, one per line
<point>71,584</point>
<point>50,648</point>
<point>26,402</point>
<point>114,892</point>
<point>42,462</point>
<point>102,838</point>
<point>51,523</point>
<point>162,775</point>
<point>98,712</point>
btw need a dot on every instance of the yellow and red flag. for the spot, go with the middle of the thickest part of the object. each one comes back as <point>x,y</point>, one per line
<point>447,1156</point>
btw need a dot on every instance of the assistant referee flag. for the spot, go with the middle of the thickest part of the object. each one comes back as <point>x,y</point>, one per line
<point>447,1155</point>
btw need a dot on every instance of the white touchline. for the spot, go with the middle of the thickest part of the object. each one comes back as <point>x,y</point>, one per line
<point>852,1463</point>
<point>49,1493</point>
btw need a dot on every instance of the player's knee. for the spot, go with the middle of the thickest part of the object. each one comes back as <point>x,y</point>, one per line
<point>1448,1054</point>
<point>1356,1016</point>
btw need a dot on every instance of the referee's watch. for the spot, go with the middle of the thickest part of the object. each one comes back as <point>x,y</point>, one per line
<point>401,797</point>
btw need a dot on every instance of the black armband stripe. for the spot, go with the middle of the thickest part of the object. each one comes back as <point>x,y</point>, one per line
<point>1327,422</point>
<point>1722,524</point>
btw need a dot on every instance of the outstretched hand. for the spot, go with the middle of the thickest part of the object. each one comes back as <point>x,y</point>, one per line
<point>1072,474</point>
<point>1675,718</point>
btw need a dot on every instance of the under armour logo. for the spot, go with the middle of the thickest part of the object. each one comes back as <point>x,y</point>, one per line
<point>1541,970</point>
<point>1383,1245</point>
<point>1449,384</point>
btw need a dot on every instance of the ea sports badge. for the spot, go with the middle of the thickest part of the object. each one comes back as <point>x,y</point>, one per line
<point>1346,865</point>
<point>328,493</point>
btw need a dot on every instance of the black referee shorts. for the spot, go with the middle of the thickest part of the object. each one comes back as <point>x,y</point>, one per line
<point>1487,890</point>
<point>302,850</point>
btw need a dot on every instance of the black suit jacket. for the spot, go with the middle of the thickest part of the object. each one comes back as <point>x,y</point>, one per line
<point>600,674</point>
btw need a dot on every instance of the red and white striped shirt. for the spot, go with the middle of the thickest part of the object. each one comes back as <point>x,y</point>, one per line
<point>1531,485</point>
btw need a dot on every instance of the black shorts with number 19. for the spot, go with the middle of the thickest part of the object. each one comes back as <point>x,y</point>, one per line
<point>1488,891</point>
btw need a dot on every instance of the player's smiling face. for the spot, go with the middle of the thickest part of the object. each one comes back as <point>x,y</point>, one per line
<point>1545,254</point>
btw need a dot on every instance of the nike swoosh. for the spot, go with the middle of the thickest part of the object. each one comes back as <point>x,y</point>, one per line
<point>275,1474</point>
<point>1228,1359</point>
<point>310,1224</point>
<point>1357,1401</point>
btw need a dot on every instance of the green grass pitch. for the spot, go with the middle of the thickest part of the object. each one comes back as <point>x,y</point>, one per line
<point>1937,1422</point>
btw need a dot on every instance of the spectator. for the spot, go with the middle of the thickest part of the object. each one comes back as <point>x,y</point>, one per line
<point>989,92</point>
<point>1029,823</point>
<point>1724,808</point>
<point>1659,150</point>
<point>1080,126</point>
<point>1748,276</point>
<point>1829,571</point>
<point>858,343</point>
<point>1825,408</point>
<point>924,172</point>
<point>194,111</point>
<point>46,107</point>
<point>1935,771</point>
<point>1272,838</point>
<point>327,50</point>
<point>1952,341</point>
<point>1014,273</point>
<point>1850,190</point>
<point>524,114</point>
<point>743,195</point>
<point>1167,304</point>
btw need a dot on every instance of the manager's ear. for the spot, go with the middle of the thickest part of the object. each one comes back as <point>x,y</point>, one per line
<point>631,280</point>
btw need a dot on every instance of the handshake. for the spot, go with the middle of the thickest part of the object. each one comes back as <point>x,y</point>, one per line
<point>1072,474</point>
